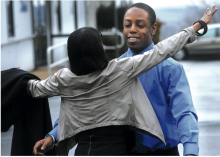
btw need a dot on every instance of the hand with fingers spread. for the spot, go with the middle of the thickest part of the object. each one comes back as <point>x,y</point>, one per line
<point>43,146</point>
<point>207,17</point>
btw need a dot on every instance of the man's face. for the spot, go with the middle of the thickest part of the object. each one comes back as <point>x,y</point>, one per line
<point>137,29</point>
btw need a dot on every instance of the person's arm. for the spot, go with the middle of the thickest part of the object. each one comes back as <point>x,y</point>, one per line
<point>46,144</point>
<point>181,105</point>
<point>139,64</point>
<point>44,88</point>
<point>55,130</point>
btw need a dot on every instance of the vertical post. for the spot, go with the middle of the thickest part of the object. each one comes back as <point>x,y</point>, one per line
<point>48,32</point>
<point>59,16</point>
<point>49,60</point>
<point>33,32</point>
<point>39,30</point>
<point>11,32</point>
<point>116,28</point>
<point>48,22</point>
<point>75,14</point>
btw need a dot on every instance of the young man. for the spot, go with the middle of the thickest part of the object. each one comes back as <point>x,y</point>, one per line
<point>167,88</point>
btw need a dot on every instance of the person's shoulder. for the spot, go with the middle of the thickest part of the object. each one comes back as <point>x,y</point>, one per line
<point>64,72</point>
<point>170,63</point>
<point>67,70</point>
<point>169,67</point>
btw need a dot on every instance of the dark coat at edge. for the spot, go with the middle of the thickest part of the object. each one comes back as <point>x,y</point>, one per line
<point>31,117</point>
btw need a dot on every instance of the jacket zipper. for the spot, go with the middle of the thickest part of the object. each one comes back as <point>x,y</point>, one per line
<point>90,141</point>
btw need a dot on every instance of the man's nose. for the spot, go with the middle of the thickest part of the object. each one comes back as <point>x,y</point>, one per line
<point>133,29</point>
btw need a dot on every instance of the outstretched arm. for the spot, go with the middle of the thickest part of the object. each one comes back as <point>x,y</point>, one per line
<point>140,64</point>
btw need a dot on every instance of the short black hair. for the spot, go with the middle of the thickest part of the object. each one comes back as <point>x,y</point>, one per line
<point>147,8</point>
<point>85,51</point>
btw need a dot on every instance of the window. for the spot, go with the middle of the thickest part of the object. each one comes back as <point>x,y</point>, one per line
<point>210,33</point>
<point>218,34</point>
<point>10,18</point>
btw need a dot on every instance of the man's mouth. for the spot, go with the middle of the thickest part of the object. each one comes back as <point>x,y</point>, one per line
<point>132,39</point>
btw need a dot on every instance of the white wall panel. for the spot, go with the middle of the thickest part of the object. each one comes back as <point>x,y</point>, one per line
<point>4,32</point>
<point>67,17</point>
<point>81,19</point>
<point>54,23</point>
<point>22,20</point>
<point>20,54</point>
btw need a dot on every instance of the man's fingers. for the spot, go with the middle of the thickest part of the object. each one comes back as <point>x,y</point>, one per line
<point>43,146</point>
<point>37,146</point>
<point>39,154</point>
<point>215,11</point>
<point>213,8</point>
<point>207,10</point>
<point>47,144</point>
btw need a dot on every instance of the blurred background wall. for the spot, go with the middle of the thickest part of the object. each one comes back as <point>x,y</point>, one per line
<point>17,47</point>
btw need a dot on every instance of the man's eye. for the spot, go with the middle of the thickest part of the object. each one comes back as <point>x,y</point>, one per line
<point>127,25</point>
<point>141,26</point>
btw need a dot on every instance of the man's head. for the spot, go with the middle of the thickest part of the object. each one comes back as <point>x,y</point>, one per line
<point>139,26</point>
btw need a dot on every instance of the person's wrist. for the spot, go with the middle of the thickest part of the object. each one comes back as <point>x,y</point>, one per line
<point>54,141</point>
<point>197,26</point>
<point>200,24</point>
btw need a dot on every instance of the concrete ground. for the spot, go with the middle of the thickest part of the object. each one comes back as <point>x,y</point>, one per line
<point>204,80</point>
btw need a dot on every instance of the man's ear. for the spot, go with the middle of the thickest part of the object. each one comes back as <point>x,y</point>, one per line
<point>153,29</point>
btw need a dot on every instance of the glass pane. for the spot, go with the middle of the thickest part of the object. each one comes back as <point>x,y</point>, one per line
<point>218,31</point>
<point>210,33</point>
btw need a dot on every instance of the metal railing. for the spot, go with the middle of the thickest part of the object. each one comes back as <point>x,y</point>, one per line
<point>61,61</point>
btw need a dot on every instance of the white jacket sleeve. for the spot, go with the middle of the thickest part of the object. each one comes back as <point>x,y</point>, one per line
<point>44,88</point>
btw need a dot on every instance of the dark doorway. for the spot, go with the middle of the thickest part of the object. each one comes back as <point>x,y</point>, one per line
<point>39,28</point>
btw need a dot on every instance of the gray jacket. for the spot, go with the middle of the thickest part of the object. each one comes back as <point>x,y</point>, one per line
<point>113,96</point>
